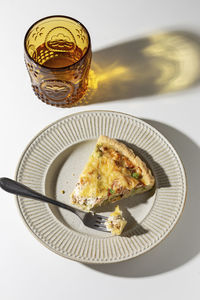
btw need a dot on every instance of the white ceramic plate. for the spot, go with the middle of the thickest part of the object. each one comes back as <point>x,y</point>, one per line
<point>52,163</point>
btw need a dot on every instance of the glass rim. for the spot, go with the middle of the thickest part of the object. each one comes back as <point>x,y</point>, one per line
<point>56,16</point>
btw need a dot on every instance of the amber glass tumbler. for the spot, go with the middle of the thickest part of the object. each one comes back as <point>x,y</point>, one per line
<point>58,56</point>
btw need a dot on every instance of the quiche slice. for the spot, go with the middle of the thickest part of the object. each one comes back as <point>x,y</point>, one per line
<point>116,222</point>
<point>112,172</point>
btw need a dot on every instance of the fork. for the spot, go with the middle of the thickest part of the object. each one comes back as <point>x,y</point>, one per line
<point>91,220</point>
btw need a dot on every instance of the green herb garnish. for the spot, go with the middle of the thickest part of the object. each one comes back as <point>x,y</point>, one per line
<point>111,191</point>
<point>98,147</point>
<point>135,175</point>
<point>98,150</point>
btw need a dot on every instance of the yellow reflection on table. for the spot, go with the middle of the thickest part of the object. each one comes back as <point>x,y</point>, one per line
<point>160,63</point>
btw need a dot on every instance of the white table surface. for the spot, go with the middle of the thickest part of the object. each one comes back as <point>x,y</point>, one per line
<point>158,44</point>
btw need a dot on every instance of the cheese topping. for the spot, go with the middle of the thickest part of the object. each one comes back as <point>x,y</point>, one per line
<point>108,172</point>
<point>112,172</point>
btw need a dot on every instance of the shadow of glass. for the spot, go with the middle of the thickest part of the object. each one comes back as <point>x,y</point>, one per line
<point>183,243</point>
<point>160,63</point>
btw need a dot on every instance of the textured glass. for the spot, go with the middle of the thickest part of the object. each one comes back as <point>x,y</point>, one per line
<point>58,57</point>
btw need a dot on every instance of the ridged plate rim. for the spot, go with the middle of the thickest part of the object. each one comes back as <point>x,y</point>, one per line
<point>118,258</point>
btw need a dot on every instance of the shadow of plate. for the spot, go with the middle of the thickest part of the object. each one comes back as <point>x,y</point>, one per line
<point>183,243</point>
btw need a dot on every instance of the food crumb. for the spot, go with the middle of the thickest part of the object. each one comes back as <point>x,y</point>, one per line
<point>63,192</point>
<point>73,174</point>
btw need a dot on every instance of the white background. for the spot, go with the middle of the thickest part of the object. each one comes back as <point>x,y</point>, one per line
<point>163,40</point>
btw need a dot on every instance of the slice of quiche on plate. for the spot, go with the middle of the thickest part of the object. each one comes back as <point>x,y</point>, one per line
<point>112,172</point>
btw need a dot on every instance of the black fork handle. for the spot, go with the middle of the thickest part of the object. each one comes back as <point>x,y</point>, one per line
<point>14,187</point>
